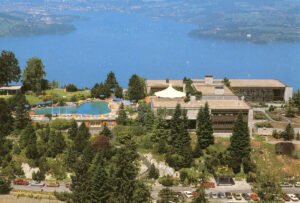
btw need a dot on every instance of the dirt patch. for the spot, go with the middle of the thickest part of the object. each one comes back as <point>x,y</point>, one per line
<point>15,199</point>
<point>255,144</point>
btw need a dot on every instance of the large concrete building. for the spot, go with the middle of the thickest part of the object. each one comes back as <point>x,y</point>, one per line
<point>223,103</point>
<point>255,90</point>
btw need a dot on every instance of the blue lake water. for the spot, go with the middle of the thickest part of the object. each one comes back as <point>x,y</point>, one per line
<point>152,48</point>
<point>92,108</point>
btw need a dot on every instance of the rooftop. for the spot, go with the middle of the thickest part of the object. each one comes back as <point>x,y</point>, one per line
<point>213,104</point>
<point>256,83</point>
<point>13,87</point>
<point>210,89</point>
<point>163,83</point>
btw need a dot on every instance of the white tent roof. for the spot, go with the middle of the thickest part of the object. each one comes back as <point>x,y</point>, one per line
<point>170,92</point>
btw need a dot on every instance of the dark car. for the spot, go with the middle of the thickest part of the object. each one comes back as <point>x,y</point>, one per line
<point>228,195</point>
<point>221,195</point>
<point>246,196</point>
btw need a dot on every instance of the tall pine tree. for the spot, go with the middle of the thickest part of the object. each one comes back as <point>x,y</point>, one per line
<point>204,130</point>
<point>239,143</point>
<point>122,117</point>
<point>136,89</point>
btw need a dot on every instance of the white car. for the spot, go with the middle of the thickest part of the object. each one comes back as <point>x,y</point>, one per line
<point>297,184</point>
<point>36,183</point>
<point>293,197</point>
<point>188,194</point>
<point>214,195</point>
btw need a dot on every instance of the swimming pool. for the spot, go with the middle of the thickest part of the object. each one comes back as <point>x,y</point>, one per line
<point>92,108</point>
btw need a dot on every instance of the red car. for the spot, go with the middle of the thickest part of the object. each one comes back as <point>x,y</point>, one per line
<point>254,197</point>
<point>286,198</point>
<point>208,184</point>
<point>20,182</point>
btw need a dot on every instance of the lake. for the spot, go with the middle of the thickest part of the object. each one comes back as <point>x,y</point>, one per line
<point>153,48</point>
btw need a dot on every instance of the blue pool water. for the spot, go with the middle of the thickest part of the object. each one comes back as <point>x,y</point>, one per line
<point>92,108</point>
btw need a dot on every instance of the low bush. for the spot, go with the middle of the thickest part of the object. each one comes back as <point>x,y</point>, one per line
<point>166,181</point>
<point>296,154</point>
<point>63,196</point>
<point>263,125</point>
<point>60,124</point>
<point>71,88</point>
<point>276,118</point>
<point>284,148</point>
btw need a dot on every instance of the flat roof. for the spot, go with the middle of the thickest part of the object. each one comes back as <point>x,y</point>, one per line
<point>13,87</point>
<point>210,89</point>
<point>256,83</point>
<point>163,83</point>
<point>213,104</point>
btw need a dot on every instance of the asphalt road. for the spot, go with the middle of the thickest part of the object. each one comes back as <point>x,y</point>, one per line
<point>61,188</point>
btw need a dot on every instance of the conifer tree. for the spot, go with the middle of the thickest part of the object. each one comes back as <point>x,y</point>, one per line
<point>136,89</point>
<point>27,136</point>
<point>106,91</point>
<point>95,91</point>
<point>175,125</point>
<point>119,92</point>
<point>17,104</point>
<point>204,131</point>
<point>73,130</point>
<point>100,189</point>
<point>82,138</point>
<point>6,121</point>
<point>160,130</point>
<point>288,134</point>
<point>106,132</point>
<point>126,187</point>
<point>111,80</point>
<point>122,117</point>
<point>239,143</point>
<point>56,144</point>
<point>149,119</point>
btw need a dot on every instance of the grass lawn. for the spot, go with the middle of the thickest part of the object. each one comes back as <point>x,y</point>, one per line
<point>68,95</point>
<point>32,99</point>
<point>282,166</point>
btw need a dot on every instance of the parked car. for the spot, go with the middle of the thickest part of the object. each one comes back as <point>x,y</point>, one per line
<point>246,196</point>
<point>254,197</point>
<point>20,182</point>
<point>213,195</point>
<point>228,195</point>
<point>53,184</point>
<point>293,197</point>
<point>286,198</point>
<point>221,195</point>
<point>297,184</point>
<point>188,194</point>
<point>208,184</point>
<point>36,183</point>
<point>237,196</point>
<point>286,184</point>
<point>179,194</point>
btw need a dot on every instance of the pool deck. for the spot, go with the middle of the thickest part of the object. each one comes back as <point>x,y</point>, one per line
<point>113,106</point>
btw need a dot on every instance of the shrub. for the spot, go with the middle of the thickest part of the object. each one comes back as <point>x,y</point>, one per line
<point>276,118</point>
<point>276,134</point>
<point>296,154</point>
<point>63,196</point>
<point>263,125</point>
<point>71,88</point>
<point>285,148</point>
<point>73,99</point>
<point>298,136</point>
<point>4,186</point>
<point>60,124</point>
<point>166,181</point>
<point>259,115</point>
<point>271,108</point>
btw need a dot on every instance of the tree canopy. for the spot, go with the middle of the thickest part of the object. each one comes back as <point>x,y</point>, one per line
<point>33,74</point>
<point>9,68</point>
<point>136,88</point>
